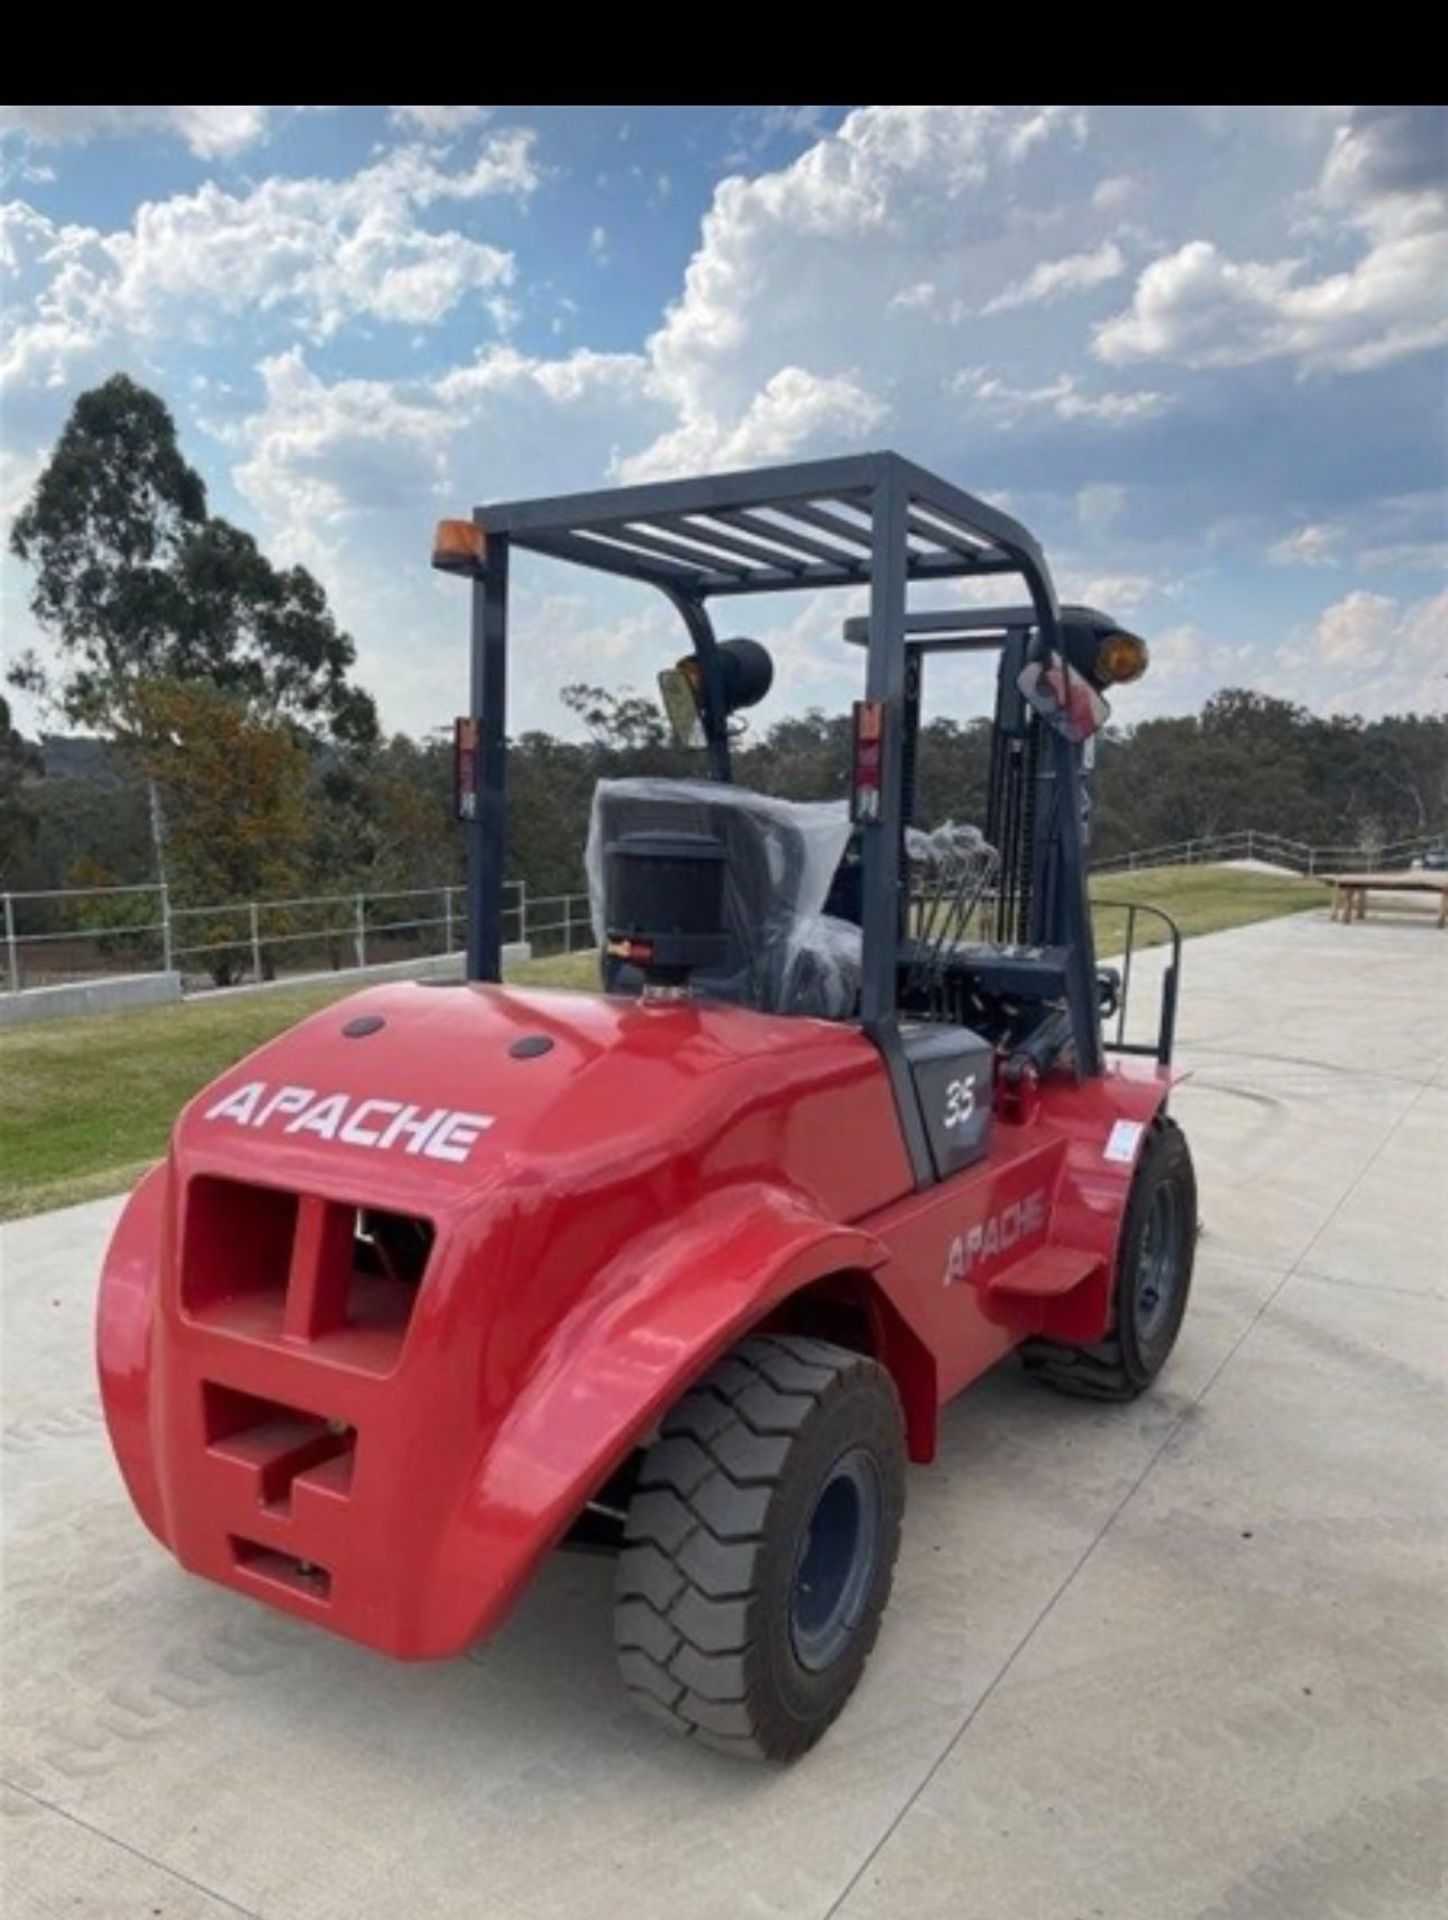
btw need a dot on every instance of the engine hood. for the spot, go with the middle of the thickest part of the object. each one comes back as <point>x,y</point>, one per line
<point>431,1095</point>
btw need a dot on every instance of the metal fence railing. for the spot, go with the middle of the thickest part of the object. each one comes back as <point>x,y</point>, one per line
<point>75,934</point>
<point>1274,849</point>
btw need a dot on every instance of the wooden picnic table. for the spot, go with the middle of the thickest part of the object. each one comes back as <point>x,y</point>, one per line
<point>1350,890</point>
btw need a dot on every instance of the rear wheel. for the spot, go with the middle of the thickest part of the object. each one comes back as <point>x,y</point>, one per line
<point>760,1546</point>
<point>1153,1280</point>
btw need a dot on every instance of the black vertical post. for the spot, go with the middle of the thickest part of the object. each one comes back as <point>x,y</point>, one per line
<point>910,733</point>
<point>489,707</point>
<point>885,682</point>
<point>1074,910</point>
<point>883,838</point>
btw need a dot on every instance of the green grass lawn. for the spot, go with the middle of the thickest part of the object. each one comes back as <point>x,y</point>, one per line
<point>88,1103</point>
<point>1199,899</point>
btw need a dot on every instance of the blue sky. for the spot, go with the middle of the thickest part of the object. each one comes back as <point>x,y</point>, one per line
<point>1200,352</point>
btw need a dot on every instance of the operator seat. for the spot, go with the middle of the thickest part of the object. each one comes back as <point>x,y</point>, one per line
<point>785,954</point>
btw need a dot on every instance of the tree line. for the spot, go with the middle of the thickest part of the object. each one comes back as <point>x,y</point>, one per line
<point>264,817</point>
<point>226,744</point>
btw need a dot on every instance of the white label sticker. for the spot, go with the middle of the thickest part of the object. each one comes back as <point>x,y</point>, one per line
<point>1123,1140</point>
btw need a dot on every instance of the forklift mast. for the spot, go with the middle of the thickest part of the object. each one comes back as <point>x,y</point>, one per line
<point>1038,914</point>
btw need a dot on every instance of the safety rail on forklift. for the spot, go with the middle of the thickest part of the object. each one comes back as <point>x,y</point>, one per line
<point>1119,986</point>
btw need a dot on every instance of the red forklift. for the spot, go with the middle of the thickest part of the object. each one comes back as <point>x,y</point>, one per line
<point>448,1276</point>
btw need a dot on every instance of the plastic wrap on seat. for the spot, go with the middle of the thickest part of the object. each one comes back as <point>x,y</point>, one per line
<point>785,954</point>
<point>825,971</point>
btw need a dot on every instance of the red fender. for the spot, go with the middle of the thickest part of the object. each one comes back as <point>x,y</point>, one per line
<point>650,1325</point>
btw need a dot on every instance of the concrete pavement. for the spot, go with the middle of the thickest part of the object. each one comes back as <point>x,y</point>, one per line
<point>1183,1660</point>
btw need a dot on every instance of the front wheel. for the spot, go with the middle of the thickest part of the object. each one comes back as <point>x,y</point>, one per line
<point>760,1546</point>
<point>1153,1280</point>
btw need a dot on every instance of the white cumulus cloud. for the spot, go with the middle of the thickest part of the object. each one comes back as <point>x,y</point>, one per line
<point>1204,308</point>
<point>320,251</point>
<point>438,123</point>
<point>1116,593</point>
<point>1052,279</point>
<point>1379,655</point>
<point>210,132</point>
<point>811,270</point>
<point>1355,631</point>
<point>1315,545</point>
<point>320,457</point>
<point>793,411</point>
<point>349,475</point>
<point>1116,191</point>
<point>1065,398</point>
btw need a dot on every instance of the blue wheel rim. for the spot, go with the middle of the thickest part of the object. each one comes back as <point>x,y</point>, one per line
<point>834,1570</point>
<point>1158,1265</point>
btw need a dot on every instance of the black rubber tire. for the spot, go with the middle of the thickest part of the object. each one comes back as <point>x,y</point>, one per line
<point>706,1577</point>
<point>1131,1356</point>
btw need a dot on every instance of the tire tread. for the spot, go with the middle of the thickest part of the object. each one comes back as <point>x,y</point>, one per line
<point>694,1533</point>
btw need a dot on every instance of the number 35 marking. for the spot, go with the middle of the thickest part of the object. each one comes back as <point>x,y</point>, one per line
<point>960,1101</point>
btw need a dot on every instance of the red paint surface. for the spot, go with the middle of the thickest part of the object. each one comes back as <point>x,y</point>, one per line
<point>393,1462</point>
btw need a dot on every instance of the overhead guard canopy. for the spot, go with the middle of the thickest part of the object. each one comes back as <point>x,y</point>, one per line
<point>768,530</point>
